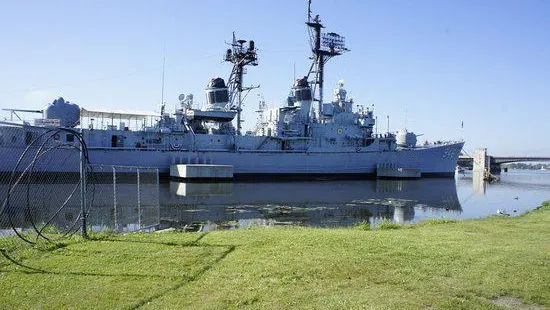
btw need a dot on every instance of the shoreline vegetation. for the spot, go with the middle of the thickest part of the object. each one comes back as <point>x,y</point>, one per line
<point>526,166</point>
<point>498,262</point>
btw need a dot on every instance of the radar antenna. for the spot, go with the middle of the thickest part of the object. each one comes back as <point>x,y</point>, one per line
<point>324,46</point>
<point>240,56</point>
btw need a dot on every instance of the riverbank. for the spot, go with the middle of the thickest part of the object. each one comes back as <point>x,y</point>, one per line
<point>487,263</point>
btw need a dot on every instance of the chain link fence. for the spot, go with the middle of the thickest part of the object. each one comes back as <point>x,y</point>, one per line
<point>125,199</point>
<point>48,191</point>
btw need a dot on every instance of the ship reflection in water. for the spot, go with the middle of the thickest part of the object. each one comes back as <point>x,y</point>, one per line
<point>211,206</point>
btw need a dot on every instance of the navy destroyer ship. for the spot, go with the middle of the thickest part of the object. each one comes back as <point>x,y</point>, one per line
<point>307,137</point>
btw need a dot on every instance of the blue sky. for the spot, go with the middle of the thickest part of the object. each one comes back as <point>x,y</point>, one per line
<point>428,64</point>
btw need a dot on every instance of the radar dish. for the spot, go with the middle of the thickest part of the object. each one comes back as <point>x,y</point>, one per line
<point>181,97</point>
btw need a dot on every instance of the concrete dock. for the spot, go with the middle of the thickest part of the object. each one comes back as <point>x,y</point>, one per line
<point>201,172</point>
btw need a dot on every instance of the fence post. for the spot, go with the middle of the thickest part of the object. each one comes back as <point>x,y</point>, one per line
<point>114,199</point>
<point>139,199</point>
<point>83,185</point>
<point>157,188</point>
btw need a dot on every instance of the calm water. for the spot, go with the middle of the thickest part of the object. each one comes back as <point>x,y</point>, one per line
<point>479,199</point>
<point>343,203</point>
<point>210,206</point>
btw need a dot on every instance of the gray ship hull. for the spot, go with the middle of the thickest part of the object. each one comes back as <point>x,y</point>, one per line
<point>432,161</point>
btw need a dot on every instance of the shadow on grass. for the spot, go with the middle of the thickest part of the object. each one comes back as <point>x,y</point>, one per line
<point>114,238</point>
<point>195,277</point>
<point>184,279</point>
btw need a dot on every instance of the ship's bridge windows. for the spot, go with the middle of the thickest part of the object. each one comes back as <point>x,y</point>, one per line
<point>302,94</point>
<point>217,96</point>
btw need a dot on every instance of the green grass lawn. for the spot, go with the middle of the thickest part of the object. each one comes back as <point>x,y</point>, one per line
<point>433,265</point>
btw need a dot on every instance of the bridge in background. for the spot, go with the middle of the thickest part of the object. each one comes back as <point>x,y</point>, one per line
<point>496,161</point>
<point>510,159</point>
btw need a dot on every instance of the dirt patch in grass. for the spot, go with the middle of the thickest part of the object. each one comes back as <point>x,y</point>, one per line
<point>515,303</point>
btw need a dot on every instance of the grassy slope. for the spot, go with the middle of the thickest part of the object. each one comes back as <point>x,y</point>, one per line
<point>460,265</point>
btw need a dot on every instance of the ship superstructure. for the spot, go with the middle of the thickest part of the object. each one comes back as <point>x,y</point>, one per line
<point>306,137</point>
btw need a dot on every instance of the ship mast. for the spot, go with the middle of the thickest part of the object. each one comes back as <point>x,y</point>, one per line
<point>240,56</point>
<point>324,47</point>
